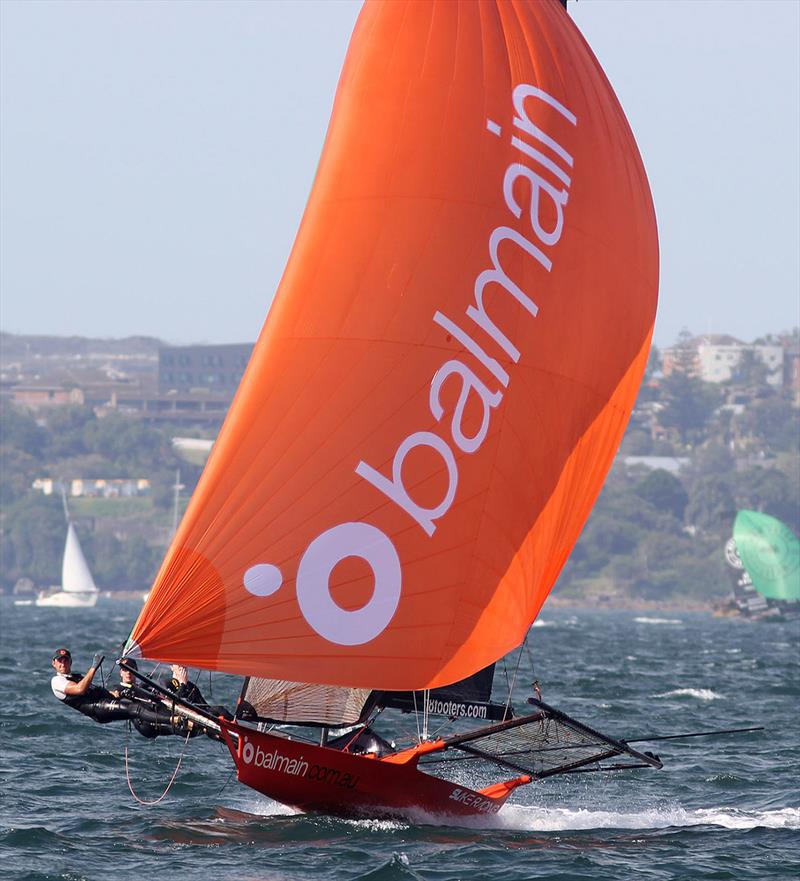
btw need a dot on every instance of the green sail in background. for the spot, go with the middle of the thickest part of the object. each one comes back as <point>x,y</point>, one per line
<point>770,552</point>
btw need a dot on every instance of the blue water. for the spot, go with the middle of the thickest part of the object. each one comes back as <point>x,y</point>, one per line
<point>725,808</point>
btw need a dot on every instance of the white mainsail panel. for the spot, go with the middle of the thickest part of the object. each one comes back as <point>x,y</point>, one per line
<point>75,574</point>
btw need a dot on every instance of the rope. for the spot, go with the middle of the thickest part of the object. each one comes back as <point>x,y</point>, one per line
<point>101,670</point>
<point>171,779</point>
<point>233,771</point>
<point>359,731</point>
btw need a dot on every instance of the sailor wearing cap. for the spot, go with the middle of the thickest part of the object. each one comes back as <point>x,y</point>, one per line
<point>103,706</point>
<point>68,686</point>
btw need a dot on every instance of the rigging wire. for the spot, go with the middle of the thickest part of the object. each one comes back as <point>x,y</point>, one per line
<point>529,650</point>
<point>505,673</point>
<point>514,677</point>
<point>416,716</point>
<point>102,674</point>
<point>448,721</point>
<point>171,779</point>
<point>360,730</point>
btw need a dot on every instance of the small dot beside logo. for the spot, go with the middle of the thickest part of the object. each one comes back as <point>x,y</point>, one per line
<point>263,579</point>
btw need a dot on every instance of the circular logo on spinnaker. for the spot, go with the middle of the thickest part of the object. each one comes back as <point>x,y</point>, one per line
<point>732,554</point>
<point>247,752</point>
<point>324,615</point>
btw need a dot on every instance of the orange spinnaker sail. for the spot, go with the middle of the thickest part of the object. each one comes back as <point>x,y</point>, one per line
<point>446,370</point>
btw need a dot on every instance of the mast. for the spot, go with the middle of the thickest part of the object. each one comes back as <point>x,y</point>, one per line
<point>64,500</point>
<point>177,487</point>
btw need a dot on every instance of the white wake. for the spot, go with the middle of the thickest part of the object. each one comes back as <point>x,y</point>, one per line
<point>533,819</point>
<point>658,620</point>
<point>702,694</point>
<point>528,818</point>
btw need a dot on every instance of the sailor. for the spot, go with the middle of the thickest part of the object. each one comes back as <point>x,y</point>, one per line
<point>79,692</point>
<point>127,687</point>
<point>537,690</point>
<point>130,690</point>
<point>180,685</point>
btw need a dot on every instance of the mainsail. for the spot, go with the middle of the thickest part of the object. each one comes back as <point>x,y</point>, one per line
<point>301,703</point>
<point>75,574</point>
<point>444,375</point>
<point>469,698</point>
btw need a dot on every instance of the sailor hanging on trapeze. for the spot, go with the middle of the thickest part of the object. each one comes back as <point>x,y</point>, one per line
<point>128,702</point>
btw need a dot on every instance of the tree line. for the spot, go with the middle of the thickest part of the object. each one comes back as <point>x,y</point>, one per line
<point>657,534</point>
<point>652,533</point>
<point>69,443</point>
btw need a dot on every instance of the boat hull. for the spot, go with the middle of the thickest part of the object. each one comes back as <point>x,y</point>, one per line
<point>67,600</point>
<point>322,780</point>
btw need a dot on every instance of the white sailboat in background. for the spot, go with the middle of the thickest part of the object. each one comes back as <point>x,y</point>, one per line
<point>78,589</point>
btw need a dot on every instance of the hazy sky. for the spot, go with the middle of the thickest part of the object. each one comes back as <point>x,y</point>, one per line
<point>156,157</point>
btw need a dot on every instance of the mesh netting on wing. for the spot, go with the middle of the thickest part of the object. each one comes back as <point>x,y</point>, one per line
<point>546,743</point>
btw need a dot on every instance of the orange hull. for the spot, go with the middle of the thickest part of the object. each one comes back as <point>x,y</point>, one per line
<point>323,780</point>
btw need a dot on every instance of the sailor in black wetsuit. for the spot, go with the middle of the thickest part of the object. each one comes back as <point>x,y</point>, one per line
<point>97,703</point>
<point>130,691</point>
<point>180,685</point>
<point>127,687</point>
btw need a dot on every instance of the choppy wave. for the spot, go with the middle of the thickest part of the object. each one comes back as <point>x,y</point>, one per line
<point>703,694</point>
<point>564,819</point>
<point>731,793</point>
<point>547,622</point>
<point>380,825</point>
<point>658,620</point>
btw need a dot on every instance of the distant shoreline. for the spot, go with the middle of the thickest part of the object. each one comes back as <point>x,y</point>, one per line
<point>630,604</point>
<point>611,603</point>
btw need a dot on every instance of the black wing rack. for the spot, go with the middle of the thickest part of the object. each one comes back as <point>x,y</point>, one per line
<point>549,742</point>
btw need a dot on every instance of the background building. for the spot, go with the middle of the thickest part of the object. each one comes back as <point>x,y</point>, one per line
<point>716,357</point>
<point>215,369</point>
